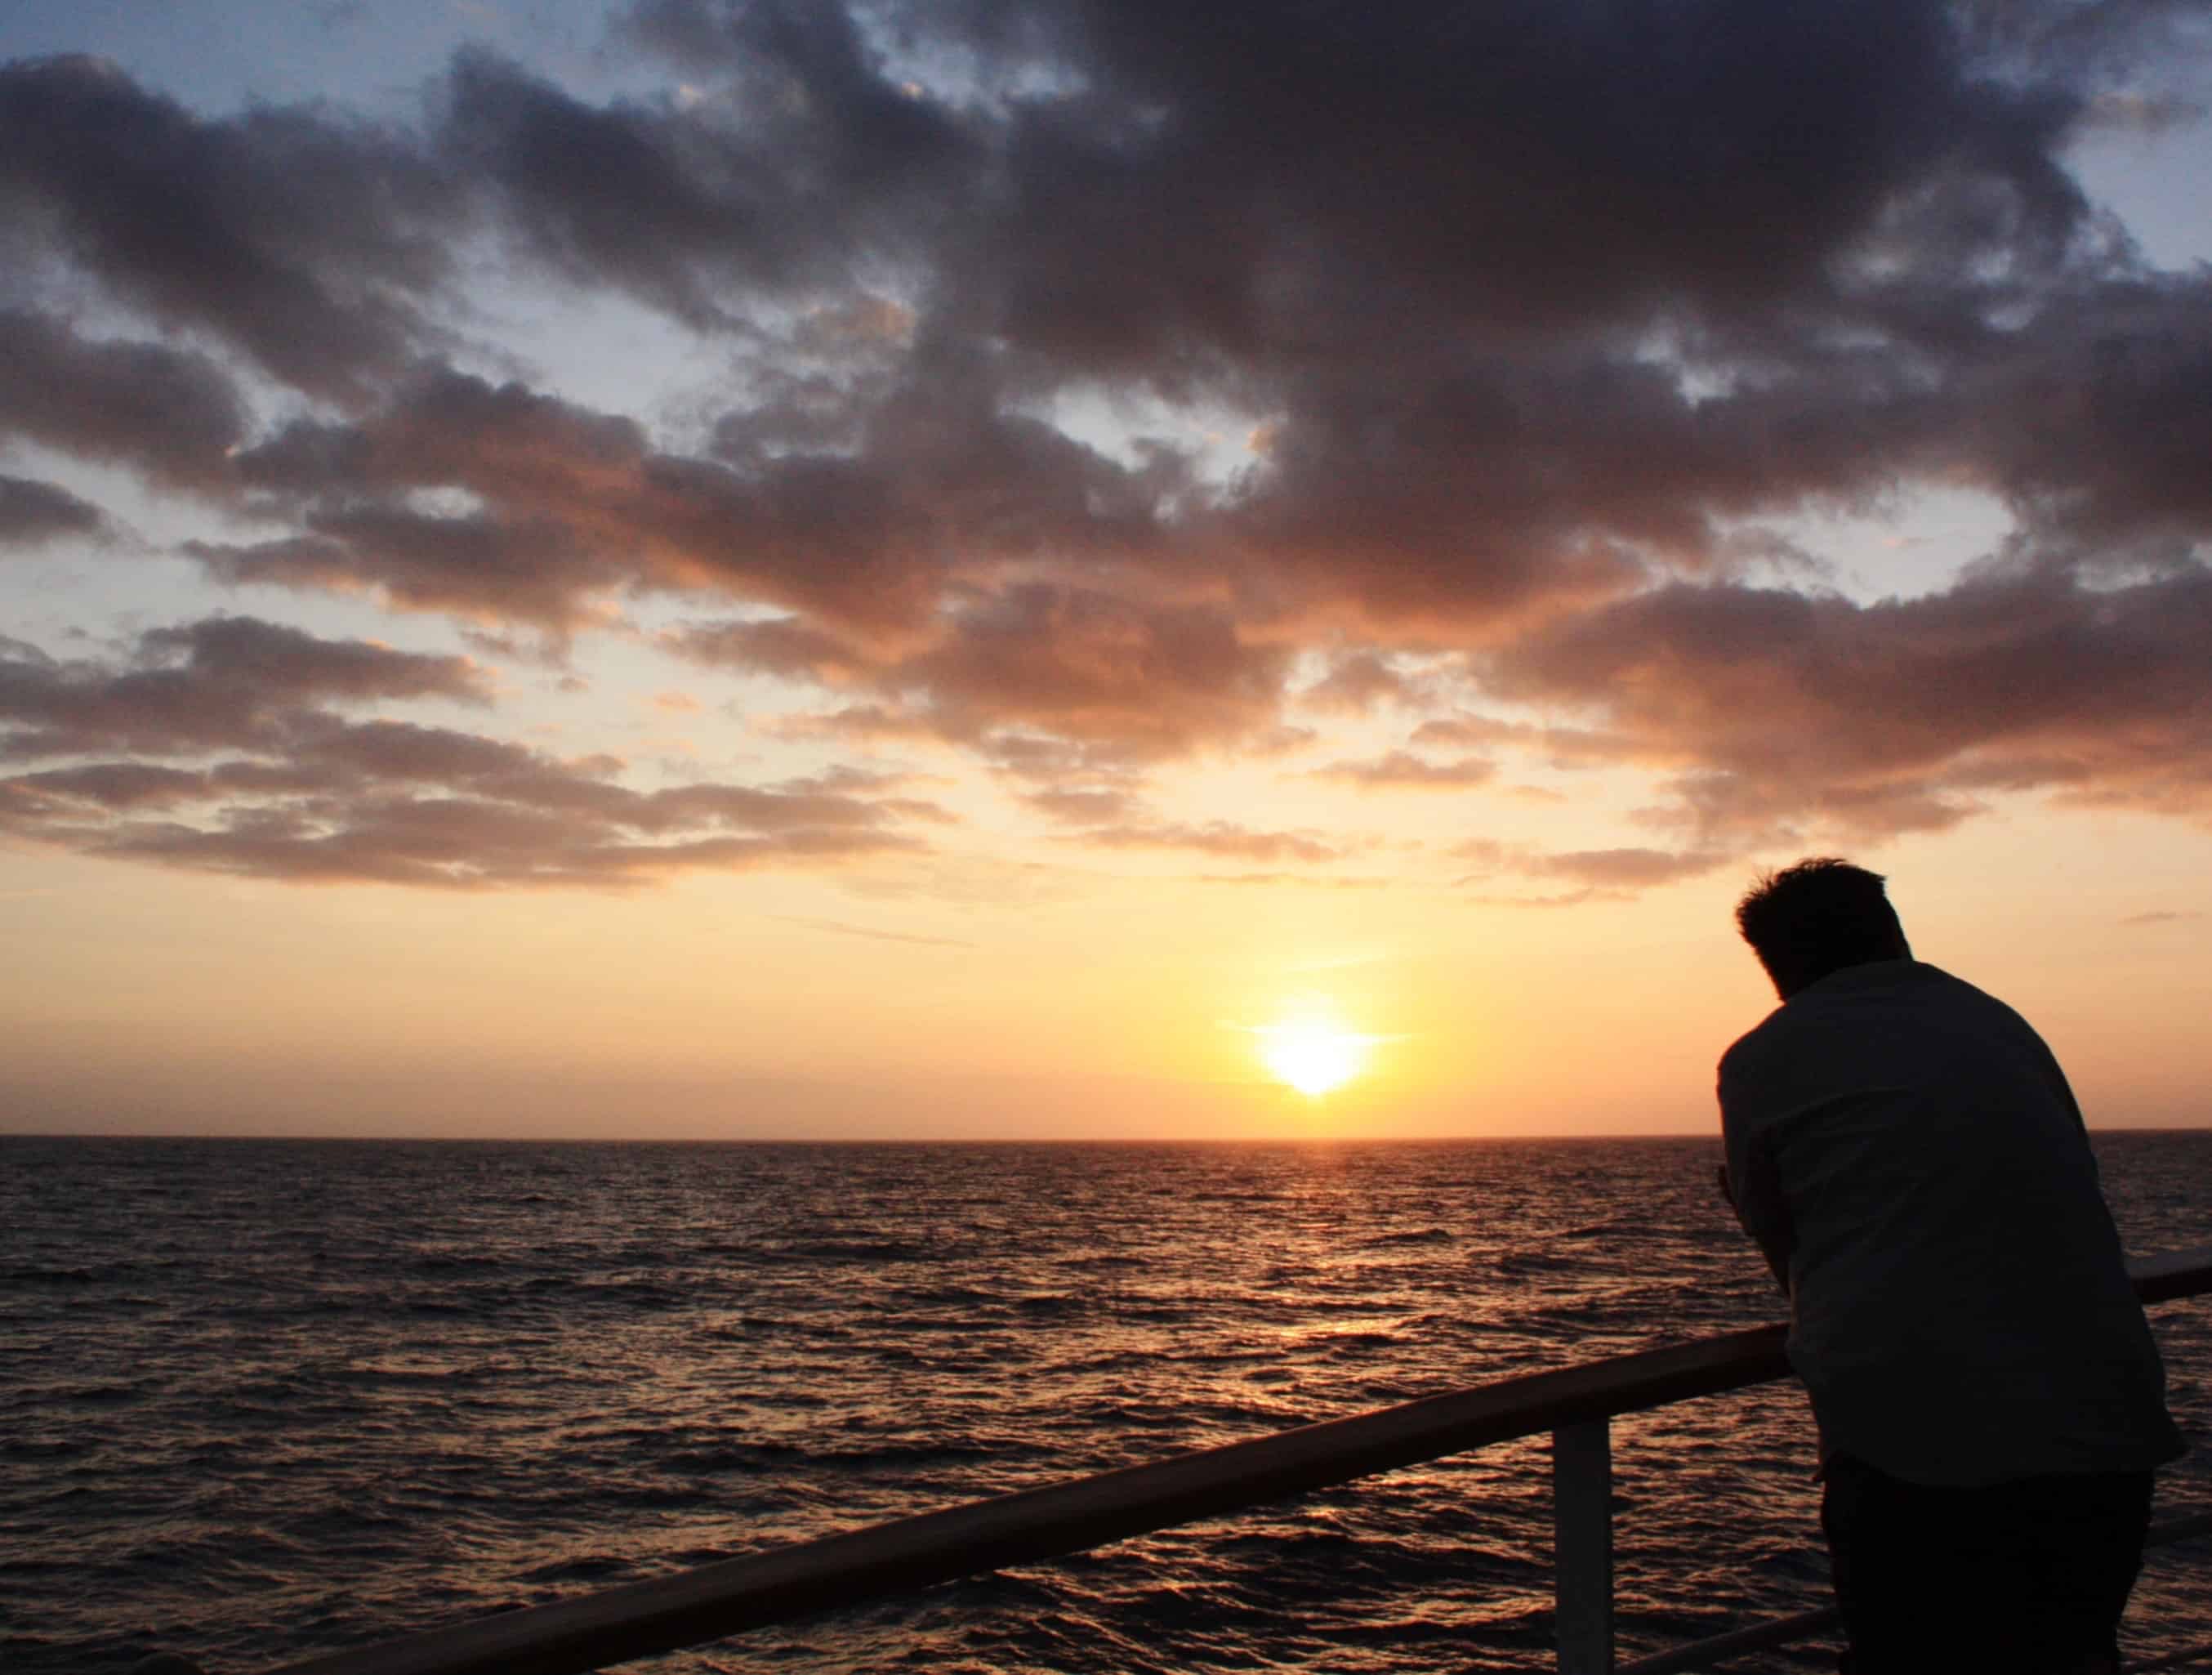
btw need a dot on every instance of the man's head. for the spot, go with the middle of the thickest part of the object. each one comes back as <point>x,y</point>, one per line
<point>1816,917</point>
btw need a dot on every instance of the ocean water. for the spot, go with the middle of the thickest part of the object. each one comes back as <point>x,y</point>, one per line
<point>260,1399</point>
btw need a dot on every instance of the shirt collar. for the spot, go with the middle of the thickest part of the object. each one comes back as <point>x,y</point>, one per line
<point>1874,974</point>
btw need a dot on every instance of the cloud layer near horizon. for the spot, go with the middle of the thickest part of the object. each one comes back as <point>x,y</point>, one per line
<point>227,744</point>
<point>1477,357</point>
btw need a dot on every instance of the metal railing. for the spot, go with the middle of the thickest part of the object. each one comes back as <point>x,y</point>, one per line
<point>1576,1404</point>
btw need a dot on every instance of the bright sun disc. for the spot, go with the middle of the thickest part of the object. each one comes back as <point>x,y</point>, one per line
<point>1312,1057</point>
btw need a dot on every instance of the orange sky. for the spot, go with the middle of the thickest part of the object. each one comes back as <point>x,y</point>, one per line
<point>1106,1005</point>
<point>653,577</point>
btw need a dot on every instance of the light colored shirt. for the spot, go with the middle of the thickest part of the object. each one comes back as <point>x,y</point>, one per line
<point>1907,1153</point>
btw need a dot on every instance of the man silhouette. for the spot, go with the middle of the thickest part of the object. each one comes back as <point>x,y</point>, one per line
<point>1907,1154</point>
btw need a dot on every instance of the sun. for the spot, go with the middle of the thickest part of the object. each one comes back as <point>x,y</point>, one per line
<point>1315,1055</point>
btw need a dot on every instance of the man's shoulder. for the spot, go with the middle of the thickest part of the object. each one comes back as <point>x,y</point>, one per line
<point>1813,1018</point>
<point>1754,1046</point>
<point>1906,1007</point>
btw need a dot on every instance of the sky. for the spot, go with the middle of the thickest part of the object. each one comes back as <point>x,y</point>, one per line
<point>1078,569</point>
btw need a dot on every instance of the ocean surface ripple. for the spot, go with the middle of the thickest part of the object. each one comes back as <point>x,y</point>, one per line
<point>264,1398</point>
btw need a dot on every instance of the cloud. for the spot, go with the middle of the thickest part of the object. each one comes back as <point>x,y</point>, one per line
<point>297,791</point>
<point>781,646</point>
<point>1624,868</point>
<point>530,571</point>
<point>113,785</point>
<point>1222,837</point>
<point>574,502</point>
<point>454,845</point>
<point>171,413</point>
<point>1557,746</point>
<point>1357,681</point>
<point>297,237</point>
<point>1611,875</point>
<point>1311,880</point>
<point>1403,770</point>
<point>33,513</point>
<point>1143,682</point>
<point>874,936</point>
<point>1533,347</point>
<point>681,208</point>
<point>1084,805</point>
<point>1890,717</point>
<point>1077,676</point>
<point>289,662</point>
<point>2165,917</point>
<point>2094,421</point>
<point>221,682</point>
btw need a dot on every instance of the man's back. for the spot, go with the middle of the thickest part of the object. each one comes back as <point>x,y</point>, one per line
<point>1906,1148</point>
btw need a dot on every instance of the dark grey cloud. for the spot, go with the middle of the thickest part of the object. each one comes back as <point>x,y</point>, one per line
<point>1533,318</point>
<point>1893,716</point>
<point>291,663</point>
<point>462,845</point>
<point>703,214</point>
<point>115,785</point>
<point>299,237</point>
<point>2096,424</point>
<point>171,413</point>
<point>222,682</point>
<point>531,572</point>
<point>443,428</point>
<point>1263,173</point>
<point>1039,675</point>
<point>33,513</point>
<point>1095,669</point>
<point>290,787</point>
<point>577,502</point>
<point>783,646</point>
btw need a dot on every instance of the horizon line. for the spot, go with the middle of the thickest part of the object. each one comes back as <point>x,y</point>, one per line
<point>959,1140</point>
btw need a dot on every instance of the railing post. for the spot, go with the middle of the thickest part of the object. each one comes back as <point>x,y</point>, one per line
<point>1582,1535</point>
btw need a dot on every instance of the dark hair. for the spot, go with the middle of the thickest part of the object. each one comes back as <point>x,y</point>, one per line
<point>1816,917</point>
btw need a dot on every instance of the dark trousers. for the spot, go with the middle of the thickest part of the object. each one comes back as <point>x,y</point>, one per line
<point>2026,1578</point>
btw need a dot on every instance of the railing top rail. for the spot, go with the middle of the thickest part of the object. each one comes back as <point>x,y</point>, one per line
<point>732,1595</point>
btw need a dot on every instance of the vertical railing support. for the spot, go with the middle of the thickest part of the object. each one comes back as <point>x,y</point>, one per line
<point>1582,1533</point>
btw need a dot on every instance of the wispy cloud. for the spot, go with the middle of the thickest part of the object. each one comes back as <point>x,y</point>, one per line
<point>874,936</point>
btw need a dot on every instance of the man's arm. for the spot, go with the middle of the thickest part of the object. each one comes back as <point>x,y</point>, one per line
<point>1751,1183</point>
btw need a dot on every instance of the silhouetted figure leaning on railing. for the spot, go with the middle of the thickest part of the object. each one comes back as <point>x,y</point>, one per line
<point>1907,1153</point>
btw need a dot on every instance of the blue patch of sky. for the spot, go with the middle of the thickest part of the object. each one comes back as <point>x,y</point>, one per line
<point>1915,542</point>
<point>2144,150</point>
<point>371,55</point>
<point>2154,181</point>
<point>1221,443</point>
<point>596,348</point>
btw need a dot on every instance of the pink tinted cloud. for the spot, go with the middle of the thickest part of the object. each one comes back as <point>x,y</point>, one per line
<point>1401,770</point>
<point>288,786</point>
<point>1226,838</point>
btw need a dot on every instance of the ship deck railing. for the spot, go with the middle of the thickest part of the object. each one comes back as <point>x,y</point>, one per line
<point>1576,1404</point>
